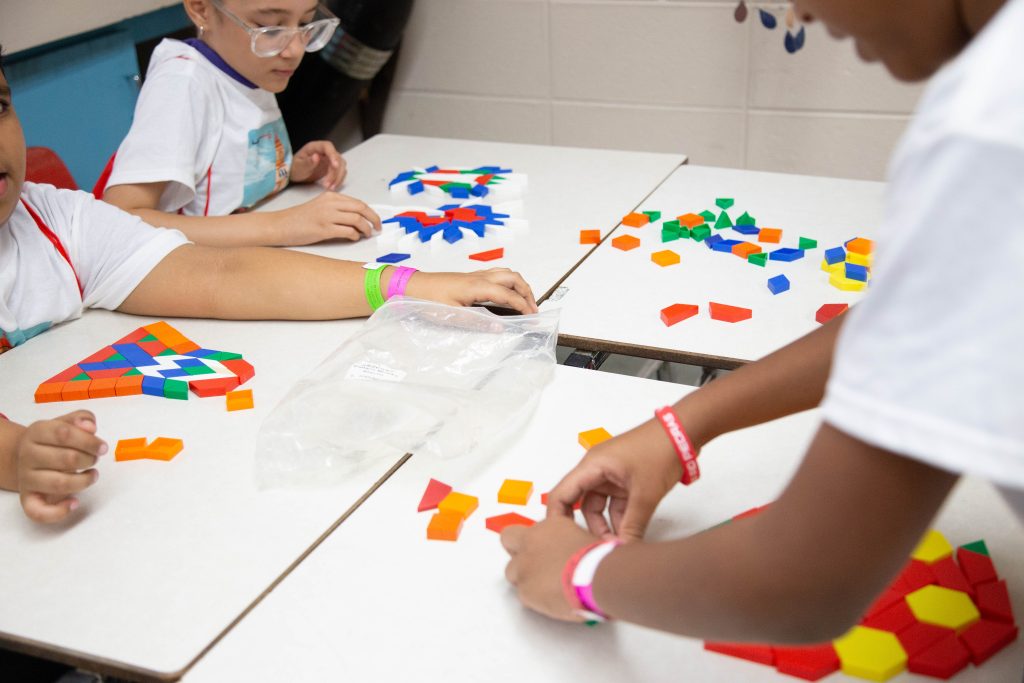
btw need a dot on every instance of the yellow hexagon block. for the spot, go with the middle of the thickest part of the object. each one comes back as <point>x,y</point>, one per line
<point>839,267</point>
<point>932,548</point>
<point>838,280</point>
<point>870,653</point>
<point>591,438</point>
<point>860,259</point>
<point>943,607</point>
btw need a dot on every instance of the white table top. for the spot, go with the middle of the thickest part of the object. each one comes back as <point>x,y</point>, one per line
<point>161,557</point>
<point>614,299</point>
<point>569,189</point>
<point>377,601</point>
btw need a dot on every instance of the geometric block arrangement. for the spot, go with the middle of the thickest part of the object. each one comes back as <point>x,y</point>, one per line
<point>453,509</point>
<point>408,229</point>
<point>161,448</point>
<point>434,494</point>
<point>943,612</point>
<point>155,360</point>
<point>849,266</point>
<point>460,183</point>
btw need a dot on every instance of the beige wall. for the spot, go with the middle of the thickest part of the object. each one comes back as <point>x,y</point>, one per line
<point>668,75</point>
<point>28,23</point>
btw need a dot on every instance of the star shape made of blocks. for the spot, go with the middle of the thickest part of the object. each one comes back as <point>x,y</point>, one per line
<point>450,220</point>
<point>156,360</point>
<point>459,182</point>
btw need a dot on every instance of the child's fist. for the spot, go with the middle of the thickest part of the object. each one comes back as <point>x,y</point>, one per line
<point>55,460</point>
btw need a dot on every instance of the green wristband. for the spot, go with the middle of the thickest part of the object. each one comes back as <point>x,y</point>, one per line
<point>374,296</point>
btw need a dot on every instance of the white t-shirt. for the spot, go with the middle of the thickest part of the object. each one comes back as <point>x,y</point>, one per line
<point>929,364</point>
<point>110,252</point>
<point>221,144</point>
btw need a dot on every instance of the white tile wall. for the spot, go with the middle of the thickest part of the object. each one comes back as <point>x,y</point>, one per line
<point>655,75</point>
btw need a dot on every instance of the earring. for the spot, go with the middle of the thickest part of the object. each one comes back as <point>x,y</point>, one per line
<point>202,30</point>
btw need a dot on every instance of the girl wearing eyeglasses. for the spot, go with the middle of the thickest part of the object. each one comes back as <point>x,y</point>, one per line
<point>208,141</point>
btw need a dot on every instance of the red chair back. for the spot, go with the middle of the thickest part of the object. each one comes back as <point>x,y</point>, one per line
<point>42,165</point>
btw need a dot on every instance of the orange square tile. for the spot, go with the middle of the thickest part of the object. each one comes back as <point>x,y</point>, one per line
<point>129,386</point>
<point>75,391</point>
<point>665,258</point>
<point>458,503</point>
<point>861,246</point>
<point>49,392</point>
<point>103,388</point>
<point>770,235</point>
<point>445,526</point>
<point>515,492</point>
<point>590,236</point>
<point>690,220</point>
<point>745,249</point>
<point>626,242</point>
<point>239,400</point>
<point>636,220</point>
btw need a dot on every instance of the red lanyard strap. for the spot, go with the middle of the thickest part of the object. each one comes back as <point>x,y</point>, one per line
<point>55,241</point>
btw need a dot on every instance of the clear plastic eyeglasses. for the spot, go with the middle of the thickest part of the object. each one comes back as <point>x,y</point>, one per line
<point>270,41</point>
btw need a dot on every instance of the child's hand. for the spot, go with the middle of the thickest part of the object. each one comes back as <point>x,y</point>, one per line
<point>55,460</point>
<point>327,216</point>
<point>628,475</point>
<point>500,286</point>
<point>318,160</point>
<point>537,556</point>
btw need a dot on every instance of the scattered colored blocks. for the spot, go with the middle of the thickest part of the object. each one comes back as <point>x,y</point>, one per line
<point>833,268</point>
<point>239,400</point>
<point>869,653</point>
<point>745,250</point>
<point>491,255</point>
<point>786,254</point>
<point>932,548</point>
<point>458,503</point>
<point>770,235</point>
<point>435,492</point>
<point>860,259</point>
<point>677,313</point>
<point>590,236</point>
<point>636,220</point>
<point>724,202</point>
<point>592,437</point>
<point>723,221</point>
<point>778,284</point>
<point>445,526</point>
<point>708,216</point>
<point>515,492</point>
<point>500,522</point>
<point>626,242</point>
<point>652,216</point>
<point>393,257</point>
<point>829,311</point>
<point>665,258</point>
<point>746,229</point>
<point>729,314</point>
<point>943,607</point>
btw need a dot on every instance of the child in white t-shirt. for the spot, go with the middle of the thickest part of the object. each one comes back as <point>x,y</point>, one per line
<point>208,141</point>
<point>919,384</point>
<point>64,251</point>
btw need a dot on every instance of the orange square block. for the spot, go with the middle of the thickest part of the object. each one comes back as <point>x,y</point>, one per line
<point>745,249</point>
<point>103,388</point>
<point>515,492</point>
<point>690,220</point>
<point>626,242</point>
<point>590,236</point>
<point>49,393</point>
<point>729,314</point>
<point>185,347</point>
<point>164,449</point>
<point>591,438</point>
<point>636,220</point>
<point>130,449</point>
<point>129,386</point>
<point>458,503</point>
<point>665,258</point>
<point>770,235</point>
<point>75,391</point>
<point>861,245</point>
<point>239,400</point>
<point>445,526</point>
<point>166,334</point>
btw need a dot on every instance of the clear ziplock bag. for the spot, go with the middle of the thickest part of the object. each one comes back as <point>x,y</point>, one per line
<point>419,377</point>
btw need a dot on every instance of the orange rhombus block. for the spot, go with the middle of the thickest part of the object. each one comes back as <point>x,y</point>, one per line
<point>626,242</point>
<point>745,249</point>
<point>636,220</point>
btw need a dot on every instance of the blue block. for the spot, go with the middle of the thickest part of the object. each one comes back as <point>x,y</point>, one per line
<point>189,363</point>
<point>200,353</point>
<point>459,193</point>
<point>778,284</point>
<point>835,255</point>
<point>724,245</point>
<point>452,234</point>
<point>174,372</point>
<point>747,229</point>
<point>432,169</point>
<point>393,257</point>
<point>479,191</point>
<point>105,365</point>
<point>449,207</point>
<point>854,272</point>
<point>153,386</point>
<point>402,177</point>
<point>479,227</point>
<point>428,232</point>
<point>711,241</point>
<point>786,254</point>
<point>416,187</point>
<point>134,354</point>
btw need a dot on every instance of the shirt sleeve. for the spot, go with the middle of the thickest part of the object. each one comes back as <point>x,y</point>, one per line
<point>168,140</point>
<point>928,364</point>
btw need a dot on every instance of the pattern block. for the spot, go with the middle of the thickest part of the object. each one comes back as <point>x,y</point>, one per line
<point>460,182</point>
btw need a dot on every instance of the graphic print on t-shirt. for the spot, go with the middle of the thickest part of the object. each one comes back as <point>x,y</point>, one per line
<point>10,339</point>
<point>268,162</point>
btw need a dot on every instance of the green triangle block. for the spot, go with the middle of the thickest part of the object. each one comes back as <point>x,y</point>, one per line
<point>116,356</point>
<point>671,225</point>
<point>176,389</point>
<point>448,187</point>
<point>653,215</point>
<point>724,202</point>
<point>700,233</point>
<point>684,233</point>
<point>199,370</point>
<point>168,352</point>
<point>133,371</point>
<point>149,337</point>
<point>977,547</point>
<point>669,235</point>
<point>708,216</point>
<point>723,221</point>
<point>224,355</point>
<point>759,259</point>
<point>84,376</point>
<point>808,243</point>
<point>746,219</point>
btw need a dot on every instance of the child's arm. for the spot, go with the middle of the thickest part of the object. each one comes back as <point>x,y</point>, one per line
<point>261,284</point>
<point>50,461</point>
<point>631,473</point>
<point>326,216</point>
<point>804,570</point>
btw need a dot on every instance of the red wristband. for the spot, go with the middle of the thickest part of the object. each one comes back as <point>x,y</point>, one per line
<point>681,442</point>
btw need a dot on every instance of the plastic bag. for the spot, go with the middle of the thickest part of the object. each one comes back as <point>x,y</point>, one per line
<point>419,377</point>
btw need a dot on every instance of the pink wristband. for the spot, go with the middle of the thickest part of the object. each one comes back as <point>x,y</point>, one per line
<point>681,444</point>
<point>583,571</point>
<point>399,280</point>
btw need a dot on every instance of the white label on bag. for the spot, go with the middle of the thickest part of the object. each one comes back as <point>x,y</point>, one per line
<point>374,372</point>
